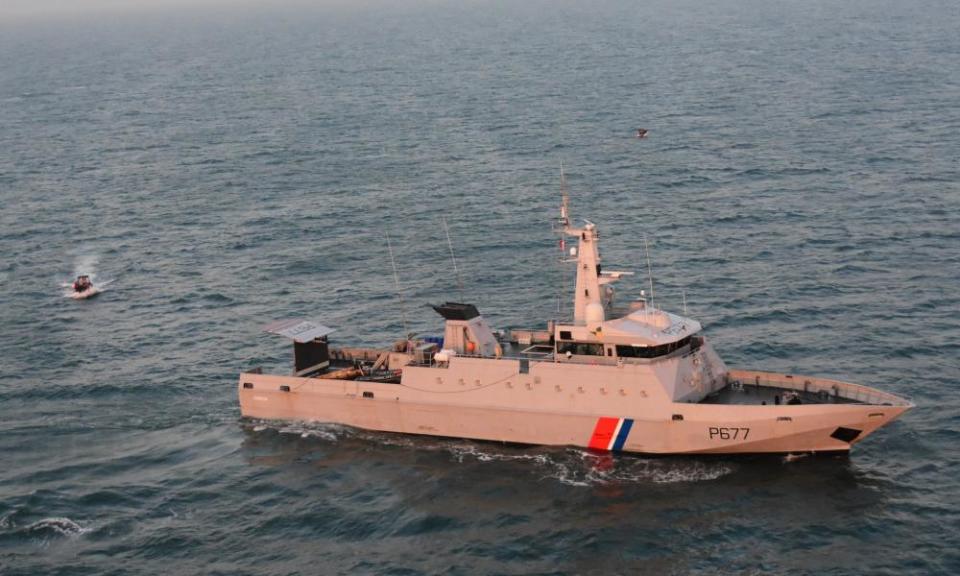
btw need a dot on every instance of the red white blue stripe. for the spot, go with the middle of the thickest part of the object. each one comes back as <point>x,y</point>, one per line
<point>610,433</point>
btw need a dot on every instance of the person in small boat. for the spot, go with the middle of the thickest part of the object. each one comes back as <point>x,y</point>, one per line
<point>82,283</point>
<point>641,132</point>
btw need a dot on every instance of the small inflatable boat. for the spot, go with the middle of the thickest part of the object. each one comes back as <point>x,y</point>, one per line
<point>83,288</point>
<point>89,292</point>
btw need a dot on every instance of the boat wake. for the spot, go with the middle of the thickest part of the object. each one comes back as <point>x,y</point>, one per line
<point>570,466</point>
<point>328,432</point>
<point>85,265</point>
<point>793,457</point>
<point>56,527</point>
<point>45,528</point>
<point>578,467</point>
<point>98,286</point>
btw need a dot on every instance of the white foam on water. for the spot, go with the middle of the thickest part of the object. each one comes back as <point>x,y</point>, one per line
<point>462,452</point>
<point>390,440</point>
<point>86,264</point>
<point>324,431</point>
<point>61,526</point>
<point>691,472</point>
<point>794,457</point>
<point>583,468</point>
<point>573,467</point>
<point>590,469</point>
<point>328,435</point>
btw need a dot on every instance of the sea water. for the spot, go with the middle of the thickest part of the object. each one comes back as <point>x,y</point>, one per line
<point>228,165</point>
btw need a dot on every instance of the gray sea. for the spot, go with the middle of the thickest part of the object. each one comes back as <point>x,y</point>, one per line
<point>227,165</point>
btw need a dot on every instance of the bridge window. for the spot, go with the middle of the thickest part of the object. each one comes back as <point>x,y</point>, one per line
<point>651,351</point>
<point>580,348</point>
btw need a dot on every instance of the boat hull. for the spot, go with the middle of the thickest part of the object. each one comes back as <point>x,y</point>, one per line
<point>626,417</point>
<point>84,295</point>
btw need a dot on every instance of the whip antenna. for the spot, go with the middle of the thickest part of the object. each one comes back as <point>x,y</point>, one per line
<point>453,257</point>
<point>646,248</point>
<point>396,283</point>
<point>564,200</point>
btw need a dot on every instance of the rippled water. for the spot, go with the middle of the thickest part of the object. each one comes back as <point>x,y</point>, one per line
<point>799,185</point>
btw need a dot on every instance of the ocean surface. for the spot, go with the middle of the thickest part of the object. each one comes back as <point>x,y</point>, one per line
<point>227,166</point>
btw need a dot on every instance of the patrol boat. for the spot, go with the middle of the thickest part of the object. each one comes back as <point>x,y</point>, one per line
<point>639,379</point>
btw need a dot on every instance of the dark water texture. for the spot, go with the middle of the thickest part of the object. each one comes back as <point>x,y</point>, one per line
<point>800,184</point>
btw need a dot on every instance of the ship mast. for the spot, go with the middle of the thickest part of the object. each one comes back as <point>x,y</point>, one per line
<point>564,223</point>
<point>564,201</point>
<point>587,305</point>
<point>588,301</point>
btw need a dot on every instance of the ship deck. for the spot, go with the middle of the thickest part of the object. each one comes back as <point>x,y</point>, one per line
<point>756,387</point>
<point>769,395</point>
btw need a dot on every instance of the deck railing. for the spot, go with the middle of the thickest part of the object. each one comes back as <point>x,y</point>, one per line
<point>846,390</point>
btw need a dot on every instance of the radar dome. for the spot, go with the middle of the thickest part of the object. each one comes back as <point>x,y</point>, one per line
<point>594,313</point>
